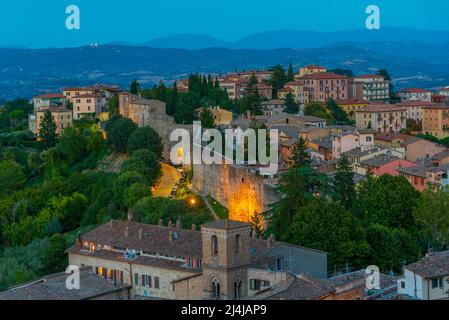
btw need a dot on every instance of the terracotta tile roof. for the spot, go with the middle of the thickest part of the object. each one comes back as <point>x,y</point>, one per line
<point>51,96</point>
<point>390,136</point>
<point>288,89</point>
<point>324,76</point>
<point>368,76</point>
<point>417,171</point>
<point>441,155</point>
<point>313,66</point>
<point>53,287</point>
<point>350,101</point>
<point>437,106</point>
<point>154,238</point>
<point>379,161</point>
<point>87,95</point>
<point>293,84</point>
<point>411,104</point>
<point>415,90</point>
<point>301,287</point>
<point>432,266</point>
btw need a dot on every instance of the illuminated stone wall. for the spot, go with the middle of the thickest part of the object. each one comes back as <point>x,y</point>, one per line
<point>235,187</point>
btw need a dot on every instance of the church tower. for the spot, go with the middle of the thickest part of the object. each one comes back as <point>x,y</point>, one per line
<point>225,259</point>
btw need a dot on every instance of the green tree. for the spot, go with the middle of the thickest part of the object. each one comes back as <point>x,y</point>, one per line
<point>317,109</point>
<point>300,157</point>
<point>278,78</point>
<point>257,223</point>
<point>47,130</point>
<point>327,226</point>
<point>145,138</point>
<point>297,187</point>
<point>290,105</point>
<point>55,258</point>
<point>12,177</point>
<point>206,117</point>
<point>432,213</point>
<point>71,145</point>
<point>113,105</point>
<point>135,87</point>
<point>387,200</point>
<point>118,131</point>
<point>290,73</point>
<point>338,115</point>
<point>391,248</point>
<point>343,187</point>
<point>15,116</point>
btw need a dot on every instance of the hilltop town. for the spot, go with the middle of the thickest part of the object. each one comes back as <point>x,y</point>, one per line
<point>87,180</point>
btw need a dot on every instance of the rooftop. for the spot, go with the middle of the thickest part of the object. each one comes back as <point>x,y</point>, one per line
<point>51,96</point>
<point>379,161</point>
<point>417,171</point>
<point>432,266</point>
<point>415,90</point>
<point>53,287</point>
<point>324,75</point>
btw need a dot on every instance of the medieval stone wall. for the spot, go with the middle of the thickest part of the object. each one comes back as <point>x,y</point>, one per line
<point>237,188</point>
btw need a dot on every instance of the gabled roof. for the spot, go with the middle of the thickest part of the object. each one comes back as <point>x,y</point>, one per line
<point>432,266</point>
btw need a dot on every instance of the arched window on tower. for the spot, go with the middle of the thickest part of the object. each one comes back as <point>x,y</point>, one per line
<point>215,290</point>
<point>214,245</point>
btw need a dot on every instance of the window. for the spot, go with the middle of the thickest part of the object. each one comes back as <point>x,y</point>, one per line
<point>254,284</point>
<point>156,282</point>
<point>136,279</point>
<point>214,245</point>
<point>215,290</point>
<point>434,283</point>
<point>280,263</point>
<point>238,289</point>
<point>237,244</point>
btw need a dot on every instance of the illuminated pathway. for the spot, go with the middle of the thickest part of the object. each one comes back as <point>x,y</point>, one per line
<point>170,178</point>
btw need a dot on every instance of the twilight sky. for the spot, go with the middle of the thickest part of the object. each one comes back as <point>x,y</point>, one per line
<point>41,23</point>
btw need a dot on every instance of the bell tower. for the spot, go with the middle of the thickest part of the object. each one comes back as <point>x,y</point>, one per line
<point>225,259</point>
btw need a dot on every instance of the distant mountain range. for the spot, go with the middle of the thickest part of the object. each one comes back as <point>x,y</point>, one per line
<point>413,57</point>
<point>297,39</point>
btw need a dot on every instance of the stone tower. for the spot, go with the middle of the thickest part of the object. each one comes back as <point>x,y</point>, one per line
<point>225,259</point>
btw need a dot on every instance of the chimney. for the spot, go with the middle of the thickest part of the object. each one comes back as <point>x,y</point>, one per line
<point>170,223</point>
<point>193,227</point>
<point>130,216</point>
<point>270,241</point>
<point>161,223</point>
<point>170,235</point>
<point>140,233</point>
<point>226,224</point>
<point>126,231</point>
<point>111,223</point>
<point>178,224</point>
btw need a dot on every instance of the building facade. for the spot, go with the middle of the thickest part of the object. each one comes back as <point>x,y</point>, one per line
<point>381,118</point>
<point>370,88</point>
<point>322,86</point>
<point>436,120</point>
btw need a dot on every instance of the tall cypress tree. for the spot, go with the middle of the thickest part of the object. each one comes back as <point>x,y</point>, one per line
<point>290,73</point>
<point>47,130</point>
<point>290,105</point>
<point>300,157</point>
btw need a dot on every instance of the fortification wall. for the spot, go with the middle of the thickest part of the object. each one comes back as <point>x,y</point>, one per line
<point>237,188</point>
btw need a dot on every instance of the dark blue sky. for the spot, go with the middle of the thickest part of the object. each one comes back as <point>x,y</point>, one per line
<point>41,23</point>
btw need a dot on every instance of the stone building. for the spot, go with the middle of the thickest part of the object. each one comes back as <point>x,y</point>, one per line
<point>222,261</point>
<point>152,113</point>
